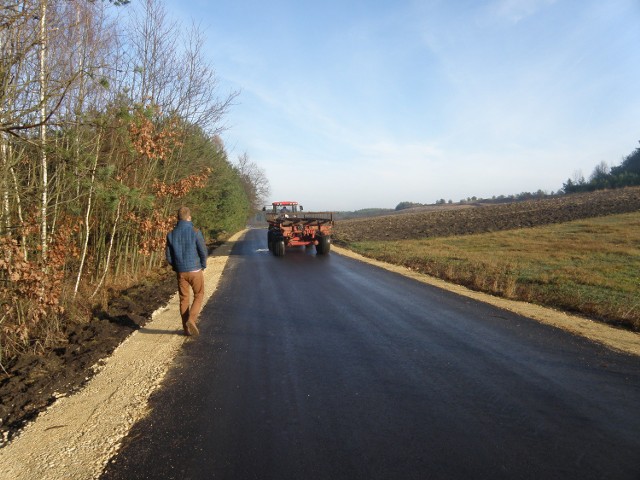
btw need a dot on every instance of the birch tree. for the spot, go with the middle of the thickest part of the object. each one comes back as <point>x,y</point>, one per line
<point>43,129</point>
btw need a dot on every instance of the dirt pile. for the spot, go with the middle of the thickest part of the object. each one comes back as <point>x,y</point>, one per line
<point>30,383</point>
<point>481,218</point>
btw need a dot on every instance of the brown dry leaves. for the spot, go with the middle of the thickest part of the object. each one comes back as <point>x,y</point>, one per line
<point>150,142</point>
<point>30,289</point>
<point>182,187</point>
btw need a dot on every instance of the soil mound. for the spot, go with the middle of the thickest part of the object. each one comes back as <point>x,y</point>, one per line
<point>30,383</point>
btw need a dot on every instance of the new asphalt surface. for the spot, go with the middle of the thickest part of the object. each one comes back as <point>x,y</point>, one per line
<point>323,367</point>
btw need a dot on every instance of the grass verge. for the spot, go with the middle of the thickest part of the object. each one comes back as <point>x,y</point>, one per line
<point>590,267</point>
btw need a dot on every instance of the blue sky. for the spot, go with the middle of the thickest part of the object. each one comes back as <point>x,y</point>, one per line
<point>351,104</point>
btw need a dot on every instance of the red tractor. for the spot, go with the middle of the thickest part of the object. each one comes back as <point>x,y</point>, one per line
<point>289,227</point>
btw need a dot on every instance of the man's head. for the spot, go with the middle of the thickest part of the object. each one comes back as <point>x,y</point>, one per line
<point>184,213</point>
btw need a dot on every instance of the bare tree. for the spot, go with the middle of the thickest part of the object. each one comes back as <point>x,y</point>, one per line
<point>152,46</point>
<point>33,78</point>
<point>601,171</point>
<point>169,69</point>
<point>196,100</point>
<point>254,180</point>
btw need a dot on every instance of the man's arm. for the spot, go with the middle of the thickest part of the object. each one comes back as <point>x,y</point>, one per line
<point>202,249</point>
<point>167,252</point>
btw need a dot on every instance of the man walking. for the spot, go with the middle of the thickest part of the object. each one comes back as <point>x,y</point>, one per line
<point>187,254</point>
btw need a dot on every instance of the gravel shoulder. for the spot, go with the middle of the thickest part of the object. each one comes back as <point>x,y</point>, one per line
<point>75,437</point>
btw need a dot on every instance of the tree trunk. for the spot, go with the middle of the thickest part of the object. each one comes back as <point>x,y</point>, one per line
<point>5,183</point>
<point>106,266</point>
<point>86,218</point>
<point>5,164</point>
<point>23,238</point>
<point>43,129</point>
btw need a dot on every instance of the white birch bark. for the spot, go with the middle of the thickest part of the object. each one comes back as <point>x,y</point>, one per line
<point>108,261</point>
<point>43,129</point>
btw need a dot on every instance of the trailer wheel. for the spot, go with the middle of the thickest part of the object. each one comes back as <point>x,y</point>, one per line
<point>324,245</point>
<point>278,247</point>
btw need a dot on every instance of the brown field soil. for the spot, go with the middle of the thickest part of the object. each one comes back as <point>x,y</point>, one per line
<point>30,383</point>
<point>445,221</point>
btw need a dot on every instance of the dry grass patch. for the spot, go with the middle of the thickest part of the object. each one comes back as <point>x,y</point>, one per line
<point>591,267</point>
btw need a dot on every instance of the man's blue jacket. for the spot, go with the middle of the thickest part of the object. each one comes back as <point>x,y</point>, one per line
<point>185,250</point>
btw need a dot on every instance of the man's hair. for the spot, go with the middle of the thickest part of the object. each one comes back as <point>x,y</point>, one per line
<point>184,213</point>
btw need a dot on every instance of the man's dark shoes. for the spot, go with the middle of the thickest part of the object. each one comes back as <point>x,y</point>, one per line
<point>192,329</point>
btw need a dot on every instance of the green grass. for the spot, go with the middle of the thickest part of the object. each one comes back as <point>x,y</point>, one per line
<point>590,267</point>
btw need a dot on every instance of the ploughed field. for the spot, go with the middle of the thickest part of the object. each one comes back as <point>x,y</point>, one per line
<point>451,220</point>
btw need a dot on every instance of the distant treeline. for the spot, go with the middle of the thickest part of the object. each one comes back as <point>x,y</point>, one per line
<point>518,197</point>
<point>626,174</point>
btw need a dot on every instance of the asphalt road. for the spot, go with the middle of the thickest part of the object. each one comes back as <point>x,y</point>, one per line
<point>322,367</point>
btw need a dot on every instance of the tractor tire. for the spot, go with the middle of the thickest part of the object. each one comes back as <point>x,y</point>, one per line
<point>324,245</point>
<point>278,247</point>
<point>270,241</point>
